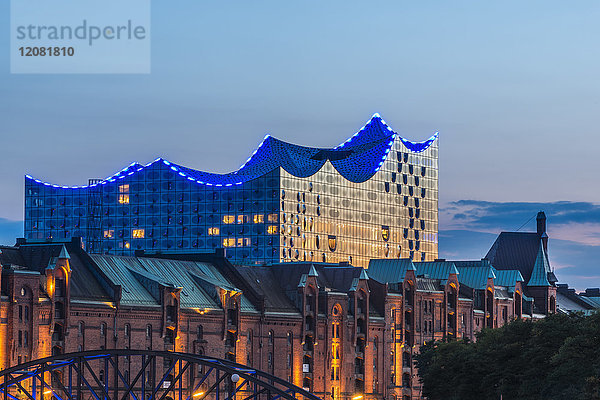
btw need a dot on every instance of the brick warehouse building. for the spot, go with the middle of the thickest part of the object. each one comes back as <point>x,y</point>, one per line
<point>335,329</point>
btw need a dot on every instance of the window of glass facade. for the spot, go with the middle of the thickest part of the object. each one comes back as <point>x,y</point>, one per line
<point>124,194</point>
<point>138,233</point>
<point>176,214</point>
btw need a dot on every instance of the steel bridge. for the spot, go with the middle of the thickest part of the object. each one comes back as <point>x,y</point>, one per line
<point>123,374</point>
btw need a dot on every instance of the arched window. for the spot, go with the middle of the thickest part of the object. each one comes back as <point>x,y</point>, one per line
<point>80,328</point>
<point>148,331</point>
<point>200,332</point>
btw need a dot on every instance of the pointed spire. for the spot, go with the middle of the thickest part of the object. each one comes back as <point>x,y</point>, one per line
<point>363,275</point>
<point>541,269</point>
<point>64,254</point>
<point>491,274</point>
<point>454,270</point>
<point>312,271</point>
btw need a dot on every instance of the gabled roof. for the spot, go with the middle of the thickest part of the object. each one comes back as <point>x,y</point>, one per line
<point>515,250</point>
<point>85,283</point>
<point>390,270</point>
<point>474,277</point>
<point>436,270</point>
<point>357,159</point>
<point>266,284</point>
<point>508,278</point>
<point>475,274</point>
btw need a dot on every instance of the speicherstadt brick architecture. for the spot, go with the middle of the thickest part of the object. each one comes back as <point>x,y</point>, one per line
<point>338,330</point>
<point>318,265</point>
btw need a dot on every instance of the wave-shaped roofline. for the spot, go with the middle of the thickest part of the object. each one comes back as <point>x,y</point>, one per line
<point>354,142</point>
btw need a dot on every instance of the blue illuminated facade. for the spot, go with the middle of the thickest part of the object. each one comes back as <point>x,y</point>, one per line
<point>165,207</point>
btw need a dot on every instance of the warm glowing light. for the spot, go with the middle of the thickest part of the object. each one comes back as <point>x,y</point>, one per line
<point>358,397</point>
<point>124,194</point>
<point>47,391</point>
<point>138,233</point>
<point>198,394</point>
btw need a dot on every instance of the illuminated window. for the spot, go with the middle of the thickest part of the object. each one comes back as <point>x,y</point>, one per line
<point>229,219</point>
<point>272,229</point>
<point>272,217</point>
<point>127,245</point>
<point>385,232</point>
<point>335,351</point>
<point>229,242</point>
<point>242,219</point>
<point>335,374</point>
<point>124,194</point>
<point>335,330</point>
<point>138,233</point>
<point>332,241</point>
<point>109,233</point>
<point>241,242</point>
<point>213,231</point>
<point>259,218</point>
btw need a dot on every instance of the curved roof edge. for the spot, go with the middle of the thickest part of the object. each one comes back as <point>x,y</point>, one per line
<point>368,148</point>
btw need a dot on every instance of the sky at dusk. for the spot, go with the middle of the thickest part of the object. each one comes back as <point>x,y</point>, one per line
<point>513,88</point>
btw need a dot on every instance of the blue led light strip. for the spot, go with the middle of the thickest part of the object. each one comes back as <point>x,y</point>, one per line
<point>263,160</point>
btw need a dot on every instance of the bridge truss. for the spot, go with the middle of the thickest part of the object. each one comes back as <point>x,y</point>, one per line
<point>123,374</point>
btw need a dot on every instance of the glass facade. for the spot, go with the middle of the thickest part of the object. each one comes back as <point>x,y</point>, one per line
<point>394,214</point>
<point>375,196</point>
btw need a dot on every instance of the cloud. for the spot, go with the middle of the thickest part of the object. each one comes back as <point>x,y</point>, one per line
<point>566,220</point>
<point>9,230</point>
<point>574,263</point>
<point>468,229</point>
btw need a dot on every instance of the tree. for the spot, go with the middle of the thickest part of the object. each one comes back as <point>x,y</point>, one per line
<point>554,358</point>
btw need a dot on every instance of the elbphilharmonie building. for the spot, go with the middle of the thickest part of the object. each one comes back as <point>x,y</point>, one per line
<point>373,196</point>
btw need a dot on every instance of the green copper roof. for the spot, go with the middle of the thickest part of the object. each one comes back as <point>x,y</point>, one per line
<point>475,277</point>
<point>436,269</point>
<point>390,270</point>
<point>508,277</point>
<point>541,269</point>
<point>139,276</point>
